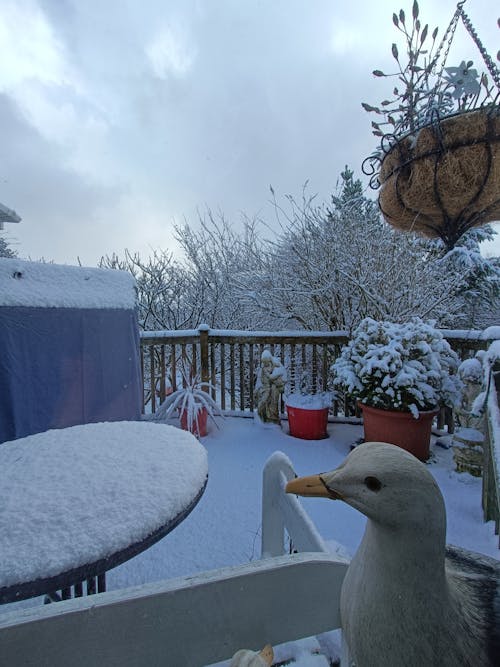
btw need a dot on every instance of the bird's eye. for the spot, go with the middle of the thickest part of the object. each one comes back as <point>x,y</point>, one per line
<point>373,483</point>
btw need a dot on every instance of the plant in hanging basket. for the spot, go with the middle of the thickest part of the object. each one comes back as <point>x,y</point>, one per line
<point>438,163</point>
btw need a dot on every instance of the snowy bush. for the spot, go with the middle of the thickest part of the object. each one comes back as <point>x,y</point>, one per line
<point>404,367</point>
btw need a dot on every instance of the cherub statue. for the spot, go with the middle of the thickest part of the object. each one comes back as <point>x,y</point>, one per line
<point>270,385</point>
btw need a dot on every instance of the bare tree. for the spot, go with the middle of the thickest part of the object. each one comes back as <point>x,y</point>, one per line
<point>331,266</point>
<point>326,268</point>
<point>168,297</point>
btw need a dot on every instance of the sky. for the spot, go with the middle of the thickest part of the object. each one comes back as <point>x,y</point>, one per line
<point>121,119</point>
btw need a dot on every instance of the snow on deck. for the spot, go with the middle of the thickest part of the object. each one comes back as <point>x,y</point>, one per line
<point>73,496</point>
<point>37,284</point>
<point>225,527</point>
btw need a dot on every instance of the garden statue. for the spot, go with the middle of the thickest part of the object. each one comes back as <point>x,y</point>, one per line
<point>269,388</point>
<point>471,373</point>
<point>468,438</point>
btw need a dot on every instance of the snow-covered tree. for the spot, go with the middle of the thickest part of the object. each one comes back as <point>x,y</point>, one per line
<point>333,265</point>
<point>214,253</point>
<point>5,249</point>
<point>479,295</point>
<point>167,296</point>
<point>326,268</point>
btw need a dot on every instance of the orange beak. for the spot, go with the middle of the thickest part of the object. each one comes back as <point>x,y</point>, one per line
<point>312,486</point>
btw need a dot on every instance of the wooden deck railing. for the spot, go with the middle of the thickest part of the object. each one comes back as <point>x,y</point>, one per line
<point>229,361</point>
<point>491,468</point>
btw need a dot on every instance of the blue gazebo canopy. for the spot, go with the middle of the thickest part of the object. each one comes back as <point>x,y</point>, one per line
<point>69,344</point>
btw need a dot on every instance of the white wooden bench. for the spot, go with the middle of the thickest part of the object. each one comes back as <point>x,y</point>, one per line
<point>187,622</point>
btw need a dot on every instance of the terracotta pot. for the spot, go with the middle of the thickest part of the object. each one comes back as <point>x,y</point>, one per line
<point>399,428</point>
<point>307,424</point>
<point>199,425</point>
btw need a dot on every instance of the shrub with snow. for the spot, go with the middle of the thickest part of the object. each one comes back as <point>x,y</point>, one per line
<point>404,367</point>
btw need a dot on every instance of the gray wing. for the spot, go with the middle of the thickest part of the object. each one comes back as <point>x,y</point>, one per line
<point>476,577</point>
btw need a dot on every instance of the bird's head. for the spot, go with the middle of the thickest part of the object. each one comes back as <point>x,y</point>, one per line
<point>384,482</point>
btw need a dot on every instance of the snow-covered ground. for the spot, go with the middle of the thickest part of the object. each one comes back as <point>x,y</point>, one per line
<point>225,527</point>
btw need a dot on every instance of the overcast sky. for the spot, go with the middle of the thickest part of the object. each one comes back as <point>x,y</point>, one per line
<point>121,118</point>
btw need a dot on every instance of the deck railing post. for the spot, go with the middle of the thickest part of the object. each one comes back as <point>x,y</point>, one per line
<point>204,356</point>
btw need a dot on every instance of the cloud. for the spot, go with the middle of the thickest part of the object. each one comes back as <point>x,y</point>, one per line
<point>29,49</point>
<point>58,206</point>
<point>129,115</point>
<point>170,53</point>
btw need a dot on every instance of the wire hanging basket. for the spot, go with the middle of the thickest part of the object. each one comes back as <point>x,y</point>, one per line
<point>443,178</point>
<point>446,179</point>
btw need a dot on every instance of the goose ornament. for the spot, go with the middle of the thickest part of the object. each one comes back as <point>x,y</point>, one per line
<point>407,600</point>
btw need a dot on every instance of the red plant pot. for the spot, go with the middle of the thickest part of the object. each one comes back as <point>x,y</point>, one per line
<point>399,428</point>
<point>307,424</point>
<point>199,423</point>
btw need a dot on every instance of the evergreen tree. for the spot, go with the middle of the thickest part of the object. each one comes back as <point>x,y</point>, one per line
<point>5,249</point>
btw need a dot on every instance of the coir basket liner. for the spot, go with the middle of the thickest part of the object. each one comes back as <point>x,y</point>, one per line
<point>445,178</point>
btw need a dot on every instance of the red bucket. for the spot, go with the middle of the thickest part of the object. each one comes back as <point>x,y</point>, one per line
<point>307,424</point>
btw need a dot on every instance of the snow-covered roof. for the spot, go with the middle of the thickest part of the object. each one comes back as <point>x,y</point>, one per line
<point>8,215</point>
<point>36,284</point>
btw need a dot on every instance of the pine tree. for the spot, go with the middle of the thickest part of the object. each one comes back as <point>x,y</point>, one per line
<point>5,250</point>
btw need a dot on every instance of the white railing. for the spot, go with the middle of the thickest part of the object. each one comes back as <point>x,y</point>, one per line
<point>283,514</point>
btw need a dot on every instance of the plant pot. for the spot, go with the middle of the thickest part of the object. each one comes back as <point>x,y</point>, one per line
<point>399,428</point>
<point>307,424</point>
<point>445,178</point>
<point>198,426</point>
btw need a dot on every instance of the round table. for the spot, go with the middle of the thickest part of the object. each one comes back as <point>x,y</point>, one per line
<point>76,502</point>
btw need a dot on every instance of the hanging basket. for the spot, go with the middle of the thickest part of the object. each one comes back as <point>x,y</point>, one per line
<point>445,179</point>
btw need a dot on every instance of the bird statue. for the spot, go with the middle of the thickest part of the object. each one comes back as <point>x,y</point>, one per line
<point>407,600</point>
<point>246,658</point>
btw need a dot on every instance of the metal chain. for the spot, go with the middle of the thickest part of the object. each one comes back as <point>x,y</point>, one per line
<point>447,37</point>
<point>488,61</point>
<point>450,30</point>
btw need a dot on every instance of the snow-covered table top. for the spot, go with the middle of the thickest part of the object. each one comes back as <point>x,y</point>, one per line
<point>77,501</point>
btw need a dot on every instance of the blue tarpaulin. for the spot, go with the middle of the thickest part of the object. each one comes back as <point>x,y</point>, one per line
<point>61,366</point>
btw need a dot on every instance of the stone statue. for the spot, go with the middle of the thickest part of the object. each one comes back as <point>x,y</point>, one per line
<point>468,438</point>
<point>269,388</point>
<point>471,373</point>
